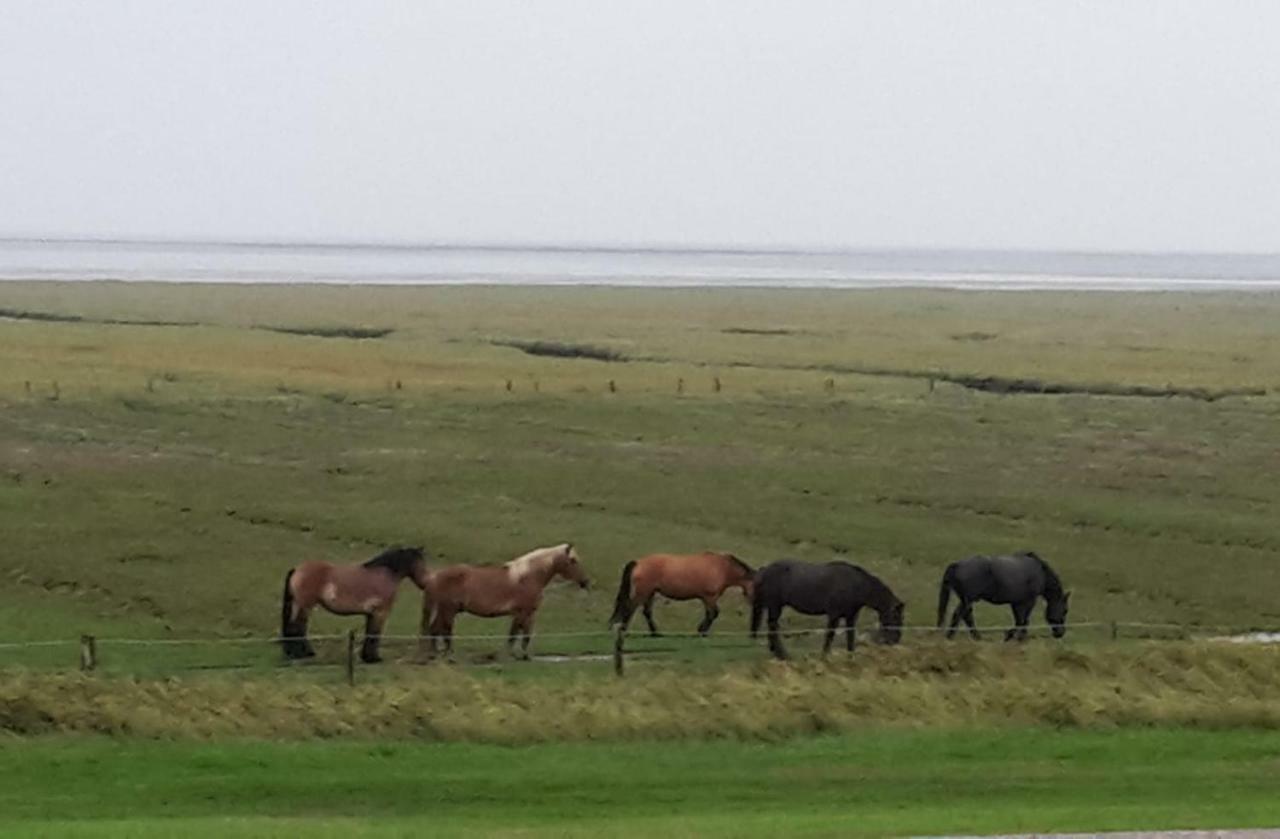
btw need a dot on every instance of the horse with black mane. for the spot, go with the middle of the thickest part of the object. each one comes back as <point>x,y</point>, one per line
<point>839,590</point>
<point>367,589</point>
<point>1017,580</point>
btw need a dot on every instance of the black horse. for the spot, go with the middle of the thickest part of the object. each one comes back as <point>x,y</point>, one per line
<point>838,590</point>
<point>1017,580</point>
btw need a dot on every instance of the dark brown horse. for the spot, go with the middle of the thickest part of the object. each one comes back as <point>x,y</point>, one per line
<point>703,576</point>
<point>836,590</point>
<point>367,589</point>
<point>490,591</point>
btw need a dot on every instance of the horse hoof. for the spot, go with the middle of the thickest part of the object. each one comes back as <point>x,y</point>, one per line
<point>373,659</point>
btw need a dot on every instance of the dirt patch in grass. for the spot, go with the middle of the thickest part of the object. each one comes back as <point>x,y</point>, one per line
<point>357,333</point>
<point>58,317</point>
<point>557,349</point>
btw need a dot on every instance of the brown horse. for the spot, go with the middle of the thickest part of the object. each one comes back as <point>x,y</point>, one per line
<point>368,589</point>
<point>703,576</point>
<point>490,591</point>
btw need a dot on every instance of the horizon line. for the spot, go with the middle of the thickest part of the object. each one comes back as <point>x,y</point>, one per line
<point>562,247</point>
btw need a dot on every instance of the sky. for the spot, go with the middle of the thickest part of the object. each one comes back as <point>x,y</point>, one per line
<point>1108,125</point>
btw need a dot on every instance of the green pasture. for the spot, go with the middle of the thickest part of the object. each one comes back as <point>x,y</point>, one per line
<point>871,783</point>
<point>156,481</point>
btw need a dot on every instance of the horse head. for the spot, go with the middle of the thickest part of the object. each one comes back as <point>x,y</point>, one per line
<point>1055,613</point>
<point>891,619</point>
<point>568,566</point>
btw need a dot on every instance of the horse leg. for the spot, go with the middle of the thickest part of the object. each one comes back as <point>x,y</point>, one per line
<point>296,643</point>
<point>528,636</point>
<point>1012,632</point>
<point>775,643</point>
<point>851,630</point>
<point>1021,615</point>
<point>512,634</point>
<point>956,617</point>
<point>968,619</point>
<point>648,616</point>
<point>712,612</point>
<point>832,622</point>
<point>373,623</point>
<point>442,631</point>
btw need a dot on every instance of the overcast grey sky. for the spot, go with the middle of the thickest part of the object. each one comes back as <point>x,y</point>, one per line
<point>1091,125</point>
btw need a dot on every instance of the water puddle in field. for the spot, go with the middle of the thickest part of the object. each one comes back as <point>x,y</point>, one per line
<point>1252,638</point>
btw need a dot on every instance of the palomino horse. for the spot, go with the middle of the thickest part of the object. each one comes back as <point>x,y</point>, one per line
<point>490,591</point>
<point>703,576</point>
<point>368,589</point>
<point>837,590</point>
<point>1018,580</point>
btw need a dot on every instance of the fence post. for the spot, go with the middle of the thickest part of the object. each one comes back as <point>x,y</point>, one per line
<point>88,653</point>
<point>351,657</point>
<point>617,650</point>
<point>1115,630</point>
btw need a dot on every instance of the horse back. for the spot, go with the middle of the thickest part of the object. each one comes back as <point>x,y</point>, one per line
<point>681,576</point>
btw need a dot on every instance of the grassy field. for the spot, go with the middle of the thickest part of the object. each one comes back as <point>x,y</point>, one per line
<point>868,784</point>
<point>173,473</point>
<point>166,453</point>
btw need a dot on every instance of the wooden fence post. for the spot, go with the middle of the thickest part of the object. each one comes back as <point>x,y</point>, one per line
<point>88,653</point>
<point>617,650</point>
<point>351,657</point>
<point>1115,630</point>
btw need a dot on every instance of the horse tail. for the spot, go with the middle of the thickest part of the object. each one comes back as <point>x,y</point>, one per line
<point>428,604</point>
<point>944,593</point>
<point>622,604</point>
<point>286,610</point>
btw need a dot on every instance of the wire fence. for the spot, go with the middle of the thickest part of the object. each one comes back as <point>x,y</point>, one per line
<point>148,654</point>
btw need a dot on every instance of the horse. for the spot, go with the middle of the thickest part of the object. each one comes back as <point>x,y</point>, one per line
<point>490,591</point>
<point>367,589</point>
<point>703,576</point>
<point>839,590</point>
<point>1017,580</point>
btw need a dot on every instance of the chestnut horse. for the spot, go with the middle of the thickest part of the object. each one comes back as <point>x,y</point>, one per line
<point>703,576</point>
<point>491,591</point>
<point>367,589</point>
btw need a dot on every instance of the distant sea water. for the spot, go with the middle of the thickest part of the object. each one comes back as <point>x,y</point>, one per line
<point>442,265</point>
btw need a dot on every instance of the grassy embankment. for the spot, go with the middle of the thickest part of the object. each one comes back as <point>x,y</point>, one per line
<point>869,784</point>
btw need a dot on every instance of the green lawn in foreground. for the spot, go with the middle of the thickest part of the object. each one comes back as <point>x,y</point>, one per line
<point>874,783</point>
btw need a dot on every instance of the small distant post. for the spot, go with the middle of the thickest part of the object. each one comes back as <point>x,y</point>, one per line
<point>613,386</point>
<point>1115,630</point>
<point>508,385</point>
<point>88,653</point>
<point>715,384</point>
<point>351,657</point>
<point>617,650</point>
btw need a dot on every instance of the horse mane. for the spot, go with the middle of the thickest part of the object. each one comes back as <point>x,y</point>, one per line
<point>519,567</point>
<point>398,559</point>
<point>742,566</point>
<point>1052,582</point>
<point>880,586</point>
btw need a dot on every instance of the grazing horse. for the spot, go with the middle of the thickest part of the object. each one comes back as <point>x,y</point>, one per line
<point>489,591</point>
<point>1017,580</point>
<point>836,589</point>
<point>368,589</point>
<point>703,576</point>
